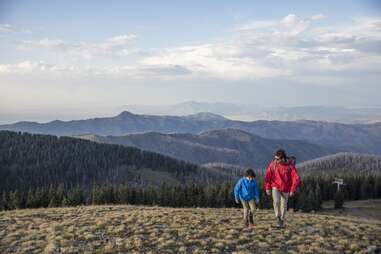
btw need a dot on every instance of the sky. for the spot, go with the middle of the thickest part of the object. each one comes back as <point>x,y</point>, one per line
<point>79,58</point>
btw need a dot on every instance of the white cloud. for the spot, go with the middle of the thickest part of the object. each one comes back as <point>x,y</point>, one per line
<point>256,25</point>
<point>259,62</point>
<point>114,46</point>
<point>44,43</point>
<point>294,25</point>
<point>117,41</point>
<point>42,68</point>
<point>317,17</point>
<point>36,67</point>
<point>291,48</point>
<point>118,45</point>
<point>213,61</point>
<point>24,67</point>
<point>7,28</point>
<point>297,46</point>
<point>253,53</point>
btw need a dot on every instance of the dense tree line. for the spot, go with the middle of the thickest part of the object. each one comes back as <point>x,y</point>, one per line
<point>313,192</point>
<point>28,161</point>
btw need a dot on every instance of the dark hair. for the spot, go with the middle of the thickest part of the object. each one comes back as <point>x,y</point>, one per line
<point>250,173</point>
<point>281,153</point>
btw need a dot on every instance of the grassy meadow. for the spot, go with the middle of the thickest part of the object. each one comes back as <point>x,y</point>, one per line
<point>134,229</point>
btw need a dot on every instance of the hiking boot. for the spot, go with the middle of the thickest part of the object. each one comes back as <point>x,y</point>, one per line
<point>251,220</point>
<point>282,223</point>
<point>279,223</point>
<point>246,222</point>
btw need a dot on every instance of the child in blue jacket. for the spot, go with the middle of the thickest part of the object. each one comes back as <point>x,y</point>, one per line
<point>246,190</point>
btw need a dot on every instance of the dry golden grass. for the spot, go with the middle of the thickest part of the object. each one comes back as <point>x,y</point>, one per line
<point>129,229</point>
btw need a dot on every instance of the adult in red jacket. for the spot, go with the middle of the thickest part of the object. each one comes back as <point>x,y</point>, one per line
<point>282,180</point>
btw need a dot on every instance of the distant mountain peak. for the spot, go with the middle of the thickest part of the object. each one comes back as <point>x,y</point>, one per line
<point>125,114</point>
<point>206,116</point>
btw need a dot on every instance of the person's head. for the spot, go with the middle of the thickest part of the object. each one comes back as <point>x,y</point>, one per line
<point>292,160</point>
<point>280,154</point>
<point>250,174</point>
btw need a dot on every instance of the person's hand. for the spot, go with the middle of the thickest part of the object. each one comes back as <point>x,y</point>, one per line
<point>237,201</point>
<point>292,194</point>
<point>268,192</point>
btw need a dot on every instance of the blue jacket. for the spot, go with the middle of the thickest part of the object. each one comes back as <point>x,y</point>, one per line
<point>246,190</point>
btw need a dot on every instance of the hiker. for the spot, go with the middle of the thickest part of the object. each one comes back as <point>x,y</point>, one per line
<point>246,191</point>
<point>282,180</point>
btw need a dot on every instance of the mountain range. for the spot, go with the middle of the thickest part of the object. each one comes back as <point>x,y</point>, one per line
<point>233,111</point>
<point>229,146</point>
<point>362,138</point>
<point>247,112</point>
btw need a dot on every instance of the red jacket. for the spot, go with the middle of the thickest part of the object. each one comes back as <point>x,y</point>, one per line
<point>285,178</point>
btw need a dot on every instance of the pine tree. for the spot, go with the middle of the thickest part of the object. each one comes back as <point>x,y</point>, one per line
<point>151,196</point>
<point>306,200</point>
<point>339,200</point>
<point>377,187</point>
<point>164,195</point>
<point>318,198</point>
<point>15,200</point>
<point>201,200</point>
<point>3,201</point>
<point>56,196</point>
<point>134,196</point>
<point>96,195</point>
<point>76,197</point>
<point>30,199</point>
<point>228,197</point>
<point>66,201</point>
<point>364,189</point>
<point>123,194</point>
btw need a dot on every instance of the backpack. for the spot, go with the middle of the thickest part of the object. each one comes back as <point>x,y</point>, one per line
<point>275,163</point>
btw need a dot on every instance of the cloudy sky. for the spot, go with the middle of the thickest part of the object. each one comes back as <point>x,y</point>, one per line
<point>86,57</point>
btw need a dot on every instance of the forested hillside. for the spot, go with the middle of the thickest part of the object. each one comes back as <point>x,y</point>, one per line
<point>30,160</point>
<point>41,170</point>
<point>342,163</point>
<point>229,146</point>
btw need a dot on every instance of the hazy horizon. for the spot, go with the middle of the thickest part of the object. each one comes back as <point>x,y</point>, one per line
<point>49,113</point>
<point>72,60</point>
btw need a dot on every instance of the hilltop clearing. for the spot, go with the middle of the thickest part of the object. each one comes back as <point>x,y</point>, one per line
<point>112,229</point>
